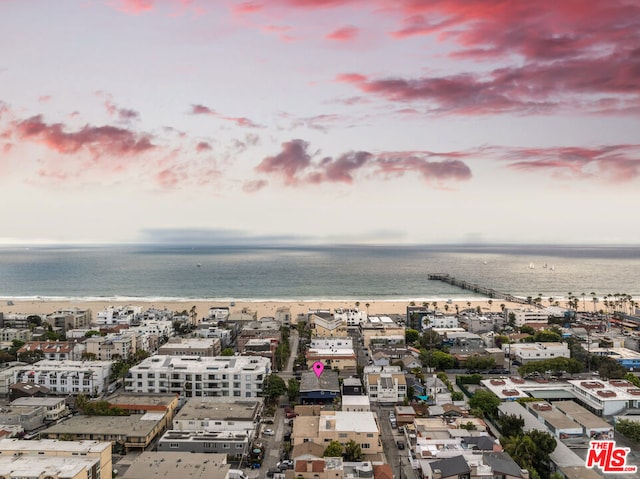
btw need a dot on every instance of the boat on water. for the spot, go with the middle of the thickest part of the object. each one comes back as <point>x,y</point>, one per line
<point>199,265</point>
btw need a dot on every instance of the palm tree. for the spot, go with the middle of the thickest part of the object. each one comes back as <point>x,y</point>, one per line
<point>193,314</point>
<point>584,307</point>
<point>594,299</point>
<point>367,306</point>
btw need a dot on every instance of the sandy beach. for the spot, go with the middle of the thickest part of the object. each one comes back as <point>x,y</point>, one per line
<point>262,308</point>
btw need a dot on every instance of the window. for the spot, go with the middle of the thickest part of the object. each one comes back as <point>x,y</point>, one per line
<point>226,445</point>
<point>174,445</point>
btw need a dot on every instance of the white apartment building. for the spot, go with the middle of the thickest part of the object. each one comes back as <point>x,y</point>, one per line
<point>385,384</point>
<point>218,415</point>
<point>439,320</point>
<point>66,377</point>
<point>112,346</point>
<point>218,313</point>
<point>113,316</point>
<point>352,317</point>
<point>527,316</point>
<point>193,376</point>
<point>210,332</point>
<point>331,343</point>
<point>528,352</point>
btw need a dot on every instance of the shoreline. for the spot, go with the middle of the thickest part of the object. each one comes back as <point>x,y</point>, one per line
<point>262,308</point>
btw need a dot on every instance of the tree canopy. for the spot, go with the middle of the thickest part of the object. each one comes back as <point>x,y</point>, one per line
<point>274,387</point>
<point>485,401</point>
<point>334,449</point>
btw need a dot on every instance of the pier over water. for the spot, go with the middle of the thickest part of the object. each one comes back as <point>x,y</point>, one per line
<point>476,288</point>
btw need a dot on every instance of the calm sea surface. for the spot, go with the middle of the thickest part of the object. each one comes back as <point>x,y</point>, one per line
<point>306,273</point>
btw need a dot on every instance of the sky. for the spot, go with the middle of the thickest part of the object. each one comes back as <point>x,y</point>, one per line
<point>320,121</point>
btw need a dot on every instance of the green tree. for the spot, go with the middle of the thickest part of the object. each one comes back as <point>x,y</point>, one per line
<point>15,345</point>
<point>353,451</point>
<point>630,429</point>
<point>34,320</point>
<point>633,379</point>
<point>511,425</point>
<point>476,362</point>
<point>526,329</point>
<point>609,368</point>
<point>31,356</point>
<point>411,336</point>
<point>227,352</point>
<point>457,396</point>
<point>293,389</point>
<point>486,401</point>
<point>274,387</point>
<point>92,333</point>
<point>334,449</point>
<point>546,336</point>
<point>436,359</point>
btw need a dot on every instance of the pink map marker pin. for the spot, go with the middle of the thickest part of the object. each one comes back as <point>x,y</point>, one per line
<point>318,367</point>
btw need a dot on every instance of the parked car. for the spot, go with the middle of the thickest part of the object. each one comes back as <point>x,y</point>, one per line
<point>271,472</point>
<point>268,432</point>
<point>400,445</point>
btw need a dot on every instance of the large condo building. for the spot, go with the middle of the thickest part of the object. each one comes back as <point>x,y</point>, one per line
<point>193,376</point>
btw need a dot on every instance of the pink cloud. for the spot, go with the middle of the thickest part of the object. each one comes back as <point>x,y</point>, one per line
<point>295,165</point>
<point>97,139</point>
<point>44,98</point>
<point>202,110</point>
<point>203,146</point>
<point>289,162</point>
<point>241,121</point>
<point>343,34</point>
<point>613,163</point>
<point>254,186</point>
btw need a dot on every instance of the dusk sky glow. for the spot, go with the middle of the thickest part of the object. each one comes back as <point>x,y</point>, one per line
<point>320,121</point>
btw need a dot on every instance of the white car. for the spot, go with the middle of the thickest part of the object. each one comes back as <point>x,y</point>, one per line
<point>268,432</point>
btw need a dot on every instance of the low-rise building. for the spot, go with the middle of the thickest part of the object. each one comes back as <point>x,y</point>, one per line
<point>135,431</point>
<point>78,459</point>
<point>190,347</point>
<point>112,346</point>
<point>386,385</point>
<point>264,329</point>
<point>340,426</point>
<point>332,358</point>
<point>526,316</point>
<point>320,389</point>
<point>8,335</point>
<point>379,331</point>
<point>67,377</point>
<point>218,414</point>
<point>67,319</point>
<point>178,465</point>
<point>527,352</point>
<point>27,417</point>
<point>325,325</point>
<point>55,408</point>
<point>113,316</point>
<point>196,376</point>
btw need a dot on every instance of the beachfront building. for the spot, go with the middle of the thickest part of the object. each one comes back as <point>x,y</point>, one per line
<point>218,313</point>
<point>7,376</point>
<point>283,316</point>
<point>352,317</point>
<point>66,377</point>
<point>71,318</point>
<point>535,318</point>
<point>379,331</point>
<point>340,426</point>
<point>225,376</point>
<point>190,347</point>
<point>324,325</point>
<point>527,352</point>
<point>112,346</point>
<point>113,316</point>
<point>56,459</point>
<point>14,320</point>
<point>439,320</point>
<point>385,385</point>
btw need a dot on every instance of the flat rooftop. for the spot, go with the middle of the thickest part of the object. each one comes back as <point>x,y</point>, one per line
<point>202,408</point>
<point>178,465</point>
<point>53,445</point>
<point>34,466</point>
<point>582,416</point>
<point>135,425</point>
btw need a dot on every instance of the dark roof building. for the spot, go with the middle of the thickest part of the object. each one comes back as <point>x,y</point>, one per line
<point>322,389</point>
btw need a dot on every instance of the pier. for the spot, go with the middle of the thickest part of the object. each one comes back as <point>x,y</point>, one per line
<point>476,288</point>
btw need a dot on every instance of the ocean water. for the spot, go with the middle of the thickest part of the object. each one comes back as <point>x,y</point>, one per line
<point>224,273</point>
